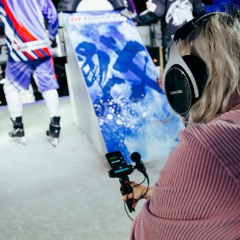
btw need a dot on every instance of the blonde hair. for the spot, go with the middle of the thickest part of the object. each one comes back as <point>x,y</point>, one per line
<point>217,43</point>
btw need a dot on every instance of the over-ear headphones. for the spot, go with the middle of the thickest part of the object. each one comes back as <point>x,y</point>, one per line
<point>184,77</point>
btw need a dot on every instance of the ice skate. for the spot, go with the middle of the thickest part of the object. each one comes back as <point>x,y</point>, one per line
<point>54,131</point>
<point>17,134</point>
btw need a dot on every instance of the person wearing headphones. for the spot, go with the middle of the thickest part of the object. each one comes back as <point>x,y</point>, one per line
<point>197,194</point>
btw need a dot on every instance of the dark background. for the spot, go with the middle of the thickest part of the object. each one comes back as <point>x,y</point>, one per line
<point>141,4</point>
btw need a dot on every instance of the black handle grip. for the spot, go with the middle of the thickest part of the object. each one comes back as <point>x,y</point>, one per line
<point>126,189</point>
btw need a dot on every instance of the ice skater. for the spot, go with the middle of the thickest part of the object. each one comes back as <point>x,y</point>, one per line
<point>30,28</point>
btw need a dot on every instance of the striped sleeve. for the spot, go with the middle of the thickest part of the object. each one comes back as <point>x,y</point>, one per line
<point>50,14</point>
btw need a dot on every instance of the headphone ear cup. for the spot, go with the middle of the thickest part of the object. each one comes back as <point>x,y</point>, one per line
<point>199,71</point>
<point>179,87</point>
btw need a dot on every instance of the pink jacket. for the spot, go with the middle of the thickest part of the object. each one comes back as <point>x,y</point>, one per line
<point>197,195</point>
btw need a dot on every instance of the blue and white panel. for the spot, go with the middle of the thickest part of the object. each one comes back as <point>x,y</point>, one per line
<point>121,80</point>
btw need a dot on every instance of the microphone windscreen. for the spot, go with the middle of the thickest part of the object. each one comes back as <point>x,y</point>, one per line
<point>135,156</point>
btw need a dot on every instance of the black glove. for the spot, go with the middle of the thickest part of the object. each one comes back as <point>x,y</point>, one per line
<point>146,19</point>
<point>1,74</point>
<point>53,42</point>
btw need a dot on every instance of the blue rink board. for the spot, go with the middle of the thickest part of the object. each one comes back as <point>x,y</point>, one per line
<point>121,80</point>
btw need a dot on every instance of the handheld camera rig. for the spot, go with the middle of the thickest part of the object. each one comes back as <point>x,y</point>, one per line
<point>120,169</point>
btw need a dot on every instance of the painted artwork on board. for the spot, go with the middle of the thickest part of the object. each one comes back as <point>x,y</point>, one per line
<point>121,80</point>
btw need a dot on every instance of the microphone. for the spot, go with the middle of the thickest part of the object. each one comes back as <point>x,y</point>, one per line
<point>136,157</point>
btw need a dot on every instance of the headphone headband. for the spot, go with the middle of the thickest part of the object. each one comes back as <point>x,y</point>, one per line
<point>182,32</point>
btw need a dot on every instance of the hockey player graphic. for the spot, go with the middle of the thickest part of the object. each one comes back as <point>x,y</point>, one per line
<point>179,12</point>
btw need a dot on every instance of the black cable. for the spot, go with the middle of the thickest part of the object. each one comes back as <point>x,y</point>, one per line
<point>141,197</point>
<point>125,204</point>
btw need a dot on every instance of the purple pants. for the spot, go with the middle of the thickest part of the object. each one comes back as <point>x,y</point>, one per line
<point>42,69</point>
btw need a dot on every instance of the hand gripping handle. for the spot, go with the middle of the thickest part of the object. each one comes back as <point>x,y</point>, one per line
<point>126,189</point>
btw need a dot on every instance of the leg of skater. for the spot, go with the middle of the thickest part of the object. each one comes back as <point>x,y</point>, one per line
<point>17,79</point>
<point>46,81</point>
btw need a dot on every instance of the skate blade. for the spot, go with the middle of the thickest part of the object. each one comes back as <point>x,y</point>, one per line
<point>53,141</point>
<point>20,140</point>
